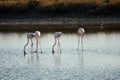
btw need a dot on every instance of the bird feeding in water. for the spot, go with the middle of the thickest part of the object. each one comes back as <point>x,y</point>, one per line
<point>30,36</point>
<point>81,32</point>
<point>56,36</point>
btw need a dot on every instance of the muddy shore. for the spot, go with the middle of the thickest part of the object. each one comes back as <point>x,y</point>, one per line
<point>59,23</point>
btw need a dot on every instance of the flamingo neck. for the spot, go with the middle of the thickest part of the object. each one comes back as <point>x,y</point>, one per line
<point>54,44</point>
<point>26,43</point>
<point>25,46</point>
<point>37,44</point>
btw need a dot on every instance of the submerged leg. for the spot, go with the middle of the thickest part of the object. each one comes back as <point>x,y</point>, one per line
<point>82,41</point>
<point>40,47</point>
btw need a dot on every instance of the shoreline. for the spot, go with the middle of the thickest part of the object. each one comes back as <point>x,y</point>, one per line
<point>58,23</point>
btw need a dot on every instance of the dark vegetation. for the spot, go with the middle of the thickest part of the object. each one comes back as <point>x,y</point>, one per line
<point>34,10</point>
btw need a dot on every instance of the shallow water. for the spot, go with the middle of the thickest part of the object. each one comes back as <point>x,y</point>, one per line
<point>99,60</point>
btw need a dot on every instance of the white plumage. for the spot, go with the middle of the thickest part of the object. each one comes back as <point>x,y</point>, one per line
<point>81,31</point>
<point>56,35</point>
<point>30,36</point>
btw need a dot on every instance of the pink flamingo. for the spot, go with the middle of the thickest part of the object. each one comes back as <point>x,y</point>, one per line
<point>30,36</point>
<point>56,36</point>
<point>81,32</point>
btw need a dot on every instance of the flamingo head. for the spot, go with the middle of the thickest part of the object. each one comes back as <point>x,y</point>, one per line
<point>38,34</point>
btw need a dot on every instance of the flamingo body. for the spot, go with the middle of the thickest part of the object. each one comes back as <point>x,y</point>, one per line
<point>30,36</point>
<point>81,32</point>
<point>56,36</point>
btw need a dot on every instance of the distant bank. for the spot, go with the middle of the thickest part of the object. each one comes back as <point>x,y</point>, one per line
<point>58,23</point>
<point>61,21</point>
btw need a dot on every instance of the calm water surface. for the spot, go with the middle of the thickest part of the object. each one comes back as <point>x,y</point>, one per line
<point>99,60</point>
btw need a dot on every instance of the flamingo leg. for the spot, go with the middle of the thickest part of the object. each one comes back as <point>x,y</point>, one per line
<point>54,46</point>
<point>37,45</point>
<point>31,42</point>
<point>59,45</point>
<point>82,41</point>
<point>31,45</point>
<point>40,46</point>
<point>31,49</point>
<point>78,41</point>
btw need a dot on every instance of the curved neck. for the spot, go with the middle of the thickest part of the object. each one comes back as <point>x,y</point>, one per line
<point>54,44</point>
<point>37,43</point>
<point>26,45</point>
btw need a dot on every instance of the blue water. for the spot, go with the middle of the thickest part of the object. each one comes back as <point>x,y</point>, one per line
<point>99,60</point>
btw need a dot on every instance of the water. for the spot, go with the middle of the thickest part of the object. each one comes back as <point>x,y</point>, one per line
<point>99,60</point>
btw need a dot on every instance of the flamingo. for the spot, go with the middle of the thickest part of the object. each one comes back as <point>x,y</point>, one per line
<point>30,36</point>
<point>81,32</point>
<point>56,36</point>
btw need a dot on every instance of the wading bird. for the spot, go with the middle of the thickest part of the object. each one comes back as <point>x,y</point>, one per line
<point>81,32</point>
<point>56,36</point>
<point>30,36</point>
